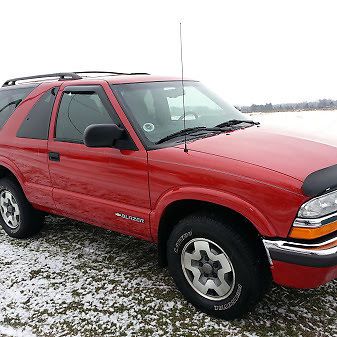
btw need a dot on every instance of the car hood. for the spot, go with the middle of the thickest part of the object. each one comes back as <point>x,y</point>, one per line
<point>293,153</point>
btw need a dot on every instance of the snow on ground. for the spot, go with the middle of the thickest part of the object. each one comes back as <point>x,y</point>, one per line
<point>77,280</point>
<point>322,123</point>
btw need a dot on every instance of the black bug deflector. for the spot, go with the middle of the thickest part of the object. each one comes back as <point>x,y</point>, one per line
<point>320,181</point>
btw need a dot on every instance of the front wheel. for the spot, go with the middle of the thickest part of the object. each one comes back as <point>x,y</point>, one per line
<point>214,267</point>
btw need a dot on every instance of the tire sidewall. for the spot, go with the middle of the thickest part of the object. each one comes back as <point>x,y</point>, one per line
<point>233,304</point>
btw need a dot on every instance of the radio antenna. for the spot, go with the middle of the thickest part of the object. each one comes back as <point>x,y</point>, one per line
<point>182,84</point>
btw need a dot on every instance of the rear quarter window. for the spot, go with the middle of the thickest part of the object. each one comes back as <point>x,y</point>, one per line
<point>36,124</point>
<point>10,98</point>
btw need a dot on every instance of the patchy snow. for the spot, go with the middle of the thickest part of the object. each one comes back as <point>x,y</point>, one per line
<point>77,280</point>
<point>7,331</point>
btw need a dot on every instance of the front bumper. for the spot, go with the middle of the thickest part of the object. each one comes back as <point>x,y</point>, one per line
<point>302,265</point>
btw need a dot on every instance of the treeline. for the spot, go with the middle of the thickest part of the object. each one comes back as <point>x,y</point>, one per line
<point>322,104</point>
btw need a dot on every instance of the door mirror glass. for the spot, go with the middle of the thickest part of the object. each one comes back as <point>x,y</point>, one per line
<point>102,135</point>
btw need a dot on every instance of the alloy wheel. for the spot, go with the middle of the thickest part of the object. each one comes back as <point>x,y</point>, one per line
<point>208,269</point>
<point>9,209</point>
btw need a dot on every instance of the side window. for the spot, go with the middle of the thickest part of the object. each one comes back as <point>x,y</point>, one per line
<point>10,98</point>
<point>76,112</point>
<point>36,124</point>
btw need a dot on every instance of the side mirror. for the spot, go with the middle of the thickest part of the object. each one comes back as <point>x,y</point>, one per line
<point>102,135</point>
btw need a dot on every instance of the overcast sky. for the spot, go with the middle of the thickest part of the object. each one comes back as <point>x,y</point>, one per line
<point>247,51</point>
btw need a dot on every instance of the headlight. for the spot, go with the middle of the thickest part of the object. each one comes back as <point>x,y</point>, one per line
<point>319,206</point>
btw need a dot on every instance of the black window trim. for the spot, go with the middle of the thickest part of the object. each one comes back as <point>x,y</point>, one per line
<point>99,90</point>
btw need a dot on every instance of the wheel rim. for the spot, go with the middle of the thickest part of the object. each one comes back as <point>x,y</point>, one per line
<point>208,269</point>
<point>9,209</point>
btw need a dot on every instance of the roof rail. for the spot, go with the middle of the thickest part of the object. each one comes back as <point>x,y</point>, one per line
<point>108,72</point>
<point>65,76</point>
<point>61,76</point>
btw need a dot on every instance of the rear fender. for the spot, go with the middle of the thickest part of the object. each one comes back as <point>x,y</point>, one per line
<point>7,163</point>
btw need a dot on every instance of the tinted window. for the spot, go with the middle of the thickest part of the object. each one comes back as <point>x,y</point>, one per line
<point>76,112</point>
<point>10,98</point>
<point>36,124</point>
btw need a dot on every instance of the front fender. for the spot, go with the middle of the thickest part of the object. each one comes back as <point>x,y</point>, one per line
<point>217,197</point>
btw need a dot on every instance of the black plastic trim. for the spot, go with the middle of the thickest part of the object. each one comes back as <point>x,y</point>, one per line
<point>54,156</point>
<point>103,135</point>
<point>319,261</point>
<point>108,72</point>
<point>320,181</point>
<point>22,86</point>
<point>84,89</point>
<point>61,76</point>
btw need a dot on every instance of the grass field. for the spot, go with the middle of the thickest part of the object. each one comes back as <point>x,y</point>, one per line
<point>78,280</point>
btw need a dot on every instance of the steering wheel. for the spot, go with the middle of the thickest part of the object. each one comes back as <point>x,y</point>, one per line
<point>188,113</point>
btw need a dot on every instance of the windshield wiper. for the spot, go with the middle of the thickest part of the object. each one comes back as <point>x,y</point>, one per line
<point>232,122</point>
<point>188,131</point>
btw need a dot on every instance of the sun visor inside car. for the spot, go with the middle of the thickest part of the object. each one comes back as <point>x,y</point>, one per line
<point>320,181</point>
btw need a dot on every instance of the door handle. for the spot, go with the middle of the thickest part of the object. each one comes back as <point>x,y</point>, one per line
<point>54,156</point>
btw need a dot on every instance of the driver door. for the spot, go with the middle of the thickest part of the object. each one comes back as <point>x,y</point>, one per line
<point>104,186</point>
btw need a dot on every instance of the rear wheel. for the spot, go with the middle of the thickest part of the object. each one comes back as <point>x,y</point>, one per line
<point>18,218</point>
<point>215,268</point>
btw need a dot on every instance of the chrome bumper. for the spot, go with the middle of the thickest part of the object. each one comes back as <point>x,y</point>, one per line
<point>315,222</point>
<point>323,254</point>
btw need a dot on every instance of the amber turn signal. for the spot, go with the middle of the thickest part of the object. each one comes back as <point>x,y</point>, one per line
<point>313,233</point>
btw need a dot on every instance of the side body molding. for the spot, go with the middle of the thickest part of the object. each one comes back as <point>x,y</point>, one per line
<point>213,196</point>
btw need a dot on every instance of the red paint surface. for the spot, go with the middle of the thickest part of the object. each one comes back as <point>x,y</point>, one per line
<point>254,171</point>
<point>292,275</point>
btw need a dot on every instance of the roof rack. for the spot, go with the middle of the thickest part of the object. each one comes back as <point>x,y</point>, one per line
<point>61,76</point>
<point>108,72</point>
<point>65,76</point>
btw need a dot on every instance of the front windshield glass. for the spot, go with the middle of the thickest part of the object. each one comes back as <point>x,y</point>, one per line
<point>157,107</point>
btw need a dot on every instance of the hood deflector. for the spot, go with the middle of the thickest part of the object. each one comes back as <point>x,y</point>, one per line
<point>320,181</point>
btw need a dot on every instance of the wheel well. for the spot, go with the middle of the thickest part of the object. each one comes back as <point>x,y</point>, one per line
<point>180,209</point>
<point>5,172</point>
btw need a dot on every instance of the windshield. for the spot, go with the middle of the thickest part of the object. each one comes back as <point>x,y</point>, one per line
<point>157,107</point>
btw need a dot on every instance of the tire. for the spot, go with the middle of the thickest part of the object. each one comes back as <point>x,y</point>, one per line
<point>214,252</point>
<point>17,217</point>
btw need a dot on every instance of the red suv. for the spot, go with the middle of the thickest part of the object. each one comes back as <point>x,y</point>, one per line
<point>232,204</point>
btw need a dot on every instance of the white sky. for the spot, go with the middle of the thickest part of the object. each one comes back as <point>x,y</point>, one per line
<point>247,51</point>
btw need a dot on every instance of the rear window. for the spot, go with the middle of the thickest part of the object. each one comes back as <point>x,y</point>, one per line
<point>10,98</point>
